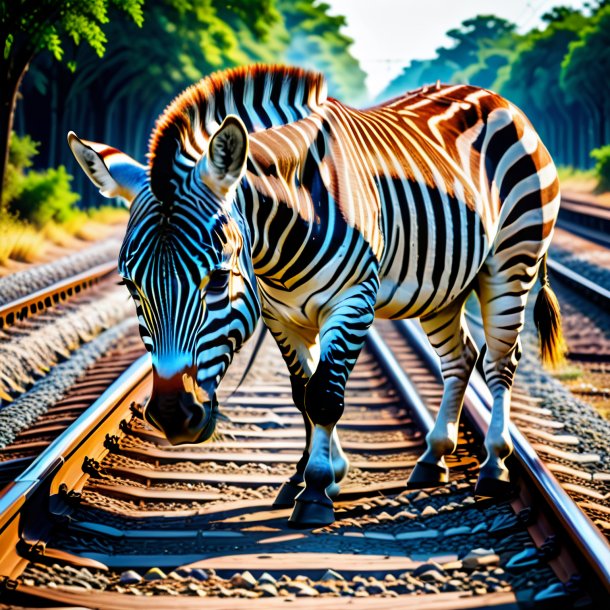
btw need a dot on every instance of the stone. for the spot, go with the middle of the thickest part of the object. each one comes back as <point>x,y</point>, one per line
<point>429,511</point>
<point>375,589</point>
<point>458,531</point>
<point>266,578</point>
<point>83,584</point>
<point>379,536</point>
<point>331,575</point>
<point>199,574</point>
<point>306,591</point>
<point>325,587</point>
<point>480,557</point>
<point>429,588</point>
<point>267,590</point>
<point>481,527</point>
<point>155,574</point>
<point>433,575</point>
<point>129,577</point>
<point>245,580</point>
<point>405,514</point>
<point>417,534</point>
<point>425,567</point>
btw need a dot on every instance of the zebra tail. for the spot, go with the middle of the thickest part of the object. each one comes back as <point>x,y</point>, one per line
<point>547,318</point>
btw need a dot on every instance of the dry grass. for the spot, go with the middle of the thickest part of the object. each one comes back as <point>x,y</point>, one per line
<point>109,216</point>
<point>20,241</point>
<point>58,235</point>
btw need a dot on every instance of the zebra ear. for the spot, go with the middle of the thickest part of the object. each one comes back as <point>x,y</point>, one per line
<point>113,172</point>
<point>226,158</point>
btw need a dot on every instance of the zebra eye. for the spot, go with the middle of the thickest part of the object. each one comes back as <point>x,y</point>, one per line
<point>218,280</point>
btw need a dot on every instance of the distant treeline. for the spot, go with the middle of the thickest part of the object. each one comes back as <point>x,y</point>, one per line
<point>116,98</point>
<point>558,74</point>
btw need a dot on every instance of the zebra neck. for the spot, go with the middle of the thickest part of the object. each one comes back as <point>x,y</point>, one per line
<point>262,96</point>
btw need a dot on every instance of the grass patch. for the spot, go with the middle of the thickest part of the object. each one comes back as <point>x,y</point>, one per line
<point>568,374</point>
<point>567,173</point>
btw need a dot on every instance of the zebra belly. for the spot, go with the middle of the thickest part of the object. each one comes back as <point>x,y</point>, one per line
<point>422,280</point>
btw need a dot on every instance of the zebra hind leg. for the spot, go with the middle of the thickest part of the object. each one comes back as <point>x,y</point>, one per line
<point>448,335</point>
<point>503,295</point>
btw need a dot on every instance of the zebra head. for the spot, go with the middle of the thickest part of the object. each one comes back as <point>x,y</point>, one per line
<point>187,264</point>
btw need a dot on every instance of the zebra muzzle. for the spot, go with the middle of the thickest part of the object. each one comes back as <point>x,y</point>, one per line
<point>180,409</point>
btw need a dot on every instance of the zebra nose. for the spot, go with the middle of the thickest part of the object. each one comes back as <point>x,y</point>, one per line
<point>180,417</point>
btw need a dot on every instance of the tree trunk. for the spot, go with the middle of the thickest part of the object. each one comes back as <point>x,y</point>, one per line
<point>8,99</point>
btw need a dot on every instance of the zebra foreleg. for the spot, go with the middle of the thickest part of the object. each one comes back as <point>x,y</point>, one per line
<point>341,339</point>
<point>296,349</point>
<point>294,485</point>
<point>448,335</point>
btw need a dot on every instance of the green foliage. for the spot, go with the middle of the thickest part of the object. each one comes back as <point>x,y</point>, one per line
<point>36,196</point>
<point>586,65</point>
<point>481,47</point>
<point>602,166</point>
<point>535,72</point>
<point>46,196</point>
<point>316,42</point>
<point>43,25</point>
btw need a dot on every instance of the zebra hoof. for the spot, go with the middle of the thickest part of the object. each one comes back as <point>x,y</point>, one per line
<point>428,475</point>
<point>286,495</point>
<point>311,514</point>
<point>494,482</point>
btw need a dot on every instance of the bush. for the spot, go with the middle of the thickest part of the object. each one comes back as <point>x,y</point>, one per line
<point>602,166</point>
<point>46,196</point>
<point>36,196</point>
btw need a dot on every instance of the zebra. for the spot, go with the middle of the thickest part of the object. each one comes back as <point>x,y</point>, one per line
<point>263,196</point>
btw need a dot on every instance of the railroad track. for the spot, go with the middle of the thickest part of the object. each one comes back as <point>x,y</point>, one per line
<point>585,218</point>
<point>30,322</point>
<point>110,514</point>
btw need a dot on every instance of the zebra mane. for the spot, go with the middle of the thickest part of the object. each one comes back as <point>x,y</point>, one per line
<point>262,96</point>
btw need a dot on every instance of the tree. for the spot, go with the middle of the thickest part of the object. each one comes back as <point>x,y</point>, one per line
<point>481,46</point>
<point>532,82</point>
<point>316,42</point>
<point>585,70</point>
<point>28,27</point>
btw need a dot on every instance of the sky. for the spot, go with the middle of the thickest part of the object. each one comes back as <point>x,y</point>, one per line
<point>389,33</point>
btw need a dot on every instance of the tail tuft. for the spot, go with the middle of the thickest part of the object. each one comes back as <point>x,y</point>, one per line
<point>547,318</point>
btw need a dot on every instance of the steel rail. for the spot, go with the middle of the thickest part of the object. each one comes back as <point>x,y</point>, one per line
<point>581,529</point>
<point>68,448</point>
<point>585,219</point>
<point>39,301</point>
<point>599,293</point>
